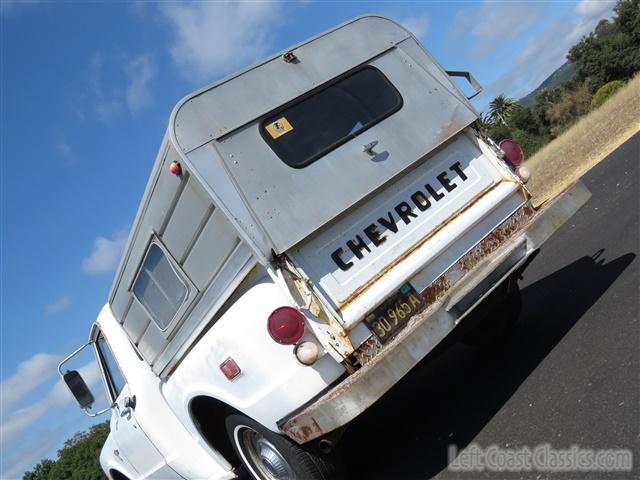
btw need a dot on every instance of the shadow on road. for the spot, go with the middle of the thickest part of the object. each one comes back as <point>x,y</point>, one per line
<point>456,390</point>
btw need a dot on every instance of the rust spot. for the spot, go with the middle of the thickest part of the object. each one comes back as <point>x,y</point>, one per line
<point>317,425</point>
<point>368,350</point>
<point>348,367</point>
<point>451,129</point>
<point>485,247</point>
<point>436,290</point>
<point>304,433</point>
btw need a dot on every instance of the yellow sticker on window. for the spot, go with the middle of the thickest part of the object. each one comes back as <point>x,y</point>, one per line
<point>278,128</point>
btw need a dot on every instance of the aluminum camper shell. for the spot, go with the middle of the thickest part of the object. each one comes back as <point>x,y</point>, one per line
<point>232,206</point>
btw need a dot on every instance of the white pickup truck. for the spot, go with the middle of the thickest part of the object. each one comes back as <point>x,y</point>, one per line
<point>313,226</point>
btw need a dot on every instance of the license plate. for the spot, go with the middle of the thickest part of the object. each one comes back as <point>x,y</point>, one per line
<point>389,318</point>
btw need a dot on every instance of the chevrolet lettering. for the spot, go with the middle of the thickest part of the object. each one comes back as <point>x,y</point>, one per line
<point>376,233</point>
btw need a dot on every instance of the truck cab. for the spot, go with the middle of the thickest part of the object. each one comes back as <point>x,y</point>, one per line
<point>313,226</point>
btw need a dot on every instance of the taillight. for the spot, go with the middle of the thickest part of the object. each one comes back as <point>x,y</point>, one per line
<point>286,325</point>
<point>512,152</point>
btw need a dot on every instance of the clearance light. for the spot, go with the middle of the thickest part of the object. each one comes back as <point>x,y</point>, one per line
<point>230,368</point>
<point>175,168</point>
<point>286,325</point>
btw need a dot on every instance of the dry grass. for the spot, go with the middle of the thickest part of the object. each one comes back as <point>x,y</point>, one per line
<point>572,154</point>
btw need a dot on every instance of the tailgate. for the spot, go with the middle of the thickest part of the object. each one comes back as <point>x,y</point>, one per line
<point>431,216</point>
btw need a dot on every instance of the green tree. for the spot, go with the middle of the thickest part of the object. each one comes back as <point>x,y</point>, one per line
<point>500,108</point>
<point>522,118</point>
<point>40,471</point>
<point>78,459</point>
<point>529,142</point>
<point>571,106</point>
<point>543,102</point>
<point>604,92</point>
<point>612,51</point>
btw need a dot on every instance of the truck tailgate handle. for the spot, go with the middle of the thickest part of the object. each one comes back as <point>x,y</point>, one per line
<point>470,78</point>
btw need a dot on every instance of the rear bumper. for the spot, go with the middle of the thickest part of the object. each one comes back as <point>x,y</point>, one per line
<point>451,297</point>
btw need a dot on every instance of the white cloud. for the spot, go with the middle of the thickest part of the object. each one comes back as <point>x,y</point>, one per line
<point>593,8</point>
<point>140,71</point>
<point>18,421</point>
<point>213,38</point>
<point>59,305</point>
<point>543,53</point>
<point>105,255</point>
<point>107,104</point>
<point>499,22</point>
<point>131,91</point>
<point>29,374</point>
<point>416,25</point>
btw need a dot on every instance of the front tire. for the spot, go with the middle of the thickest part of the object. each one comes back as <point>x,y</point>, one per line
<point>269,456</point>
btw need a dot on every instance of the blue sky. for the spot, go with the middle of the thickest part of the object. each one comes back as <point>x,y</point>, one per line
<point>86,95</point>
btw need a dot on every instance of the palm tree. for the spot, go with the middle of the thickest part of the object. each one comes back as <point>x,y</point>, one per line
<point>500,108</point>
<point>483,122</point>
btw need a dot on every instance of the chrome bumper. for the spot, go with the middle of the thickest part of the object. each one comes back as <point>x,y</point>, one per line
<point>451,297</point>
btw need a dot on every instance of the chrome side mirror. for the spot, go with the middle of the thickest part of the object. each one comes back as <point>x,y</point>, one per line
<point>79,389</point>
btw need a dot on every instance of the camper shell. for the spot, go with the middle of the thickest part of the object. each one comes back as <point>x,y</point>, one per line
<point>237,203</point>
<point>333,179</point>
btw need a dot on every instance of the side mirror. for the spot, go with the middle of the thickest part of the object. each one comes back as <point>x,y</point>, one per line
<point>78,388</point>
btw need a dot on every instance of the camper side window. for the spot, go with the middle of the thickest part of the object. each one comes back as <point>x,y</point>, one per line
<point>159,288</point>
<point>311,127</point>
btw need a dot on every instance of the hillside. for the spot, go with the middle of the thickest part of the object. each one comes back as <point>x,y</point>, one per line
<point>596,135</point>
<point>561,75</point>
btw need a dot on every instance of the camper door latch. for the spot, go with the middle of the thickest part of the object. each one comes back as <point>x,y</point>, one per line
<point>368,148</point>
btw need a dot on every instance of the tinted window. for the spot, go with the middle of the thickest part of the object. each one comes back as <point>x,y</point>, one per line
<point>159,288</point>
<point>115,379</point>
<point>312,127</point>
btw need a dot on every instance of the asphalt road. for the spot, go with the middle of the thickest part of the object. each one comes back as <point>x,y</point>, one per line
<point>568,375</point>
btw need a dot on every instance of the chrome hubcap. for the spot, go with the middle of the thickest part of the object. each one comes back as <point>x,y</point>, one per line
<point>263,455</point>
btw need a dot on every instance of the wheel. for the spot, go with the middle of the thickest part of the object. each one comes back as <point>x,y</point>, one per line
<point>269,456</point>
<point>499,320</point>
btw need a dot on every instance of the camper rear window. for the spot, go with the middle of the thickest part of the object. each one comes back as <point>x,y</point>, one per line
<point>159,288</point>
<point>311,127</point>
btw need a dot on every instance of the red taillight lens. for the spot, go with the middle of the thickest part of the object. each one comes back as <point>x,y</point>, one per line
<point>286,325</point>
<point>512,152</point>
